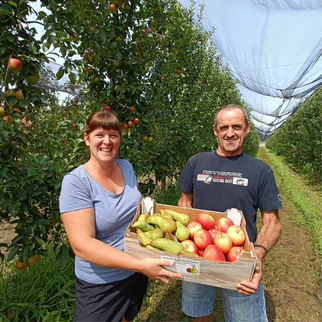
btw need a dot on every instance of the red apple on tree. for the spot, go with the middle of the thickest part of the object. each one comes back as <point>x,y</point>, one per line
<point>19,95</point>
<point>206,221</point>
<point>213,252</point>
<point>106,107</point>
<point>234,252</point>
<point>193,227</point>
<point>136,120</point>
<point>224,242</point>
<point>237,235</point>
<point>202,238</point>
<point>190,246</point>
<point>223,223</point>
<point>125,126</point>
<point>15,65</point>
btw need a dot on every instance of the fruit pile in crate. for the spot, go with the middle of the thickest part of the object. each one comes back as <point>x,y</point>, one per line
<point>174,232</point>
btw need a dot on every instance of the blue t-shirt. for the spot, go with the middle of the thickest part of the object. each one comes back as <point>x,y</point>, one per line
<point>113,213</point>
<point>220,183</point>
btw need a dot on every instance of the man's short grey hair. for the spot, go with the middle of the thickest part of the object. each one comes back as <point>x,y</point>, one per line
<point>232,107</point>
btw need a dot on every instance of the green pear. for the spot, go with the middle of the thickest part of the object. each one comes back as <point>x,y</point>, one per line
<point>178,216</point>
<point>168,235</point>
<point>182,232</point>
<point>167,245</point>
<point>155,233</point>
<point>144,239</point>
<point>144,226</point>
<point>165,224</point>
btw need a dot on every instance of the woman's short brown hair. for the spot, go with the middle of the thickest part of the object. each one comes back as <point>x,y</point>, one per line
<point>102,119</point>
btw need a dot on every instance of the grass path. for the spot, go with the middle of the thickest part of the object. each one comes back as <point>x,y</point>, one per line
<point>291,278</point>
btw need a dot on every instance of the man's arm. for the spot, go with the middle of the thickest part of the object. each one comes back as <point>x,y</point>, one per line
<point>185,200</point>
<point>268,236</point>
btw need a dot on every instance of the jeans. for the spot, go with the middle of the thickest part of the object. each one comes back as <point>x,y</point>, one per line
<point>199,300</point>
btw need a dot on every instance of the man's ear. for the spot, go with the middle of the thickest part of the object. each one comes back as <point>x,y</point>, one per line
<point>215,130</point>
<point>247,128</point>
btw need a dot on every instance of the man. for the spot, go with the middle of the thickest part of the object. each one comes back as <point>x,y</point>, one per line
<point>220,180</point>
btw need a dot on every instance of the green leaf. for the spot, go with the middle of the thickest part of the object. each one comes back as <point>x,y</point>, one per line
<point>60,73</point>
<point>12,253</point>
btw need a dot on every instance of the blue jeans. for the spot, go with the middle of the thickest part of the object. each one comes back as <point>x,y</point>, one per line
<point>199,300</point>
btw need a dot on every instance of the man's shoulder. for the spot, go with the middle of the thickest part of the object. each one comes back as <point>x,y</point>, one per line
<point>256,162</point>
<point>201,155</point>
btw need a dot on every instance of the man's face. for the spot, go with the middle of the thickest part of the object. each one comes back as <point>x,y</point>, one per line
<point>231,131</point>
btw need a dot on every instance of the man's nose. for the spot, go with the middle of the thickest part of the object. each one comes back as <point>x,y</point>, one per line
<point>230,132</point>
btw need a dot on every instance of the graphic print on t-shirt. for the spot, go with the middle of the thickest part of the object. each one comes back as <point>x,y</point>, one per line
<point>209,176</point>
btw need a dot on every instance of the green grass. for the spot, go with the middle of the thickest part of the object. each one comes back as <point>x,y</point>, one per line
<point>305,198</point>
<point>41,292</point>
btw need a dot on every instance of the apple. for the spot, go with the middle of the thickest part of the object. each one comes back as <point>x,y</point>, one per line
<point>136,120</point>
<point>190,246</point>
<point>207,221</point>
<point>32,79</point>
<point>223,223</point>
<point>10,92</point>
<point>125,126</point>
<point>201,252</point>
<point>112,8</point>
<point>130,123</point>
<point>150,139</point>
<point>153,22</point>
<point>237,235</point>
<point>234,252</point>
<point>214,231</point>
<point>223,241</point>
<point>202,238</point>
<point>106,107</point>
<point>19,95</point>
<point>213,252</point>
<point>15,65</point>
<point>34,259</point>
<point>145,138</point>
<point>2,111</point>
<point>74,125</point>
<point>193,227</point>
<point>132,108</point>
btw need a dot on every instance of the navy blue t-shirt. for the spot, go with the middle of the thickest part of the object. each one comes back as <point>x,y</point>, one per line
<point>220,183</point>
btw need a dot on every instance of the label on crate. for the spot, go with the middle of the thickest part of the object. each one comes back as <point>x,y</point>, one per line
<point>183,265</point>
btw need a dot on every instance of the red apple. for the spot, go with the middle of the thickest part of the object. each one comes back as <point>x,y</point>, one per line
<point>213,232</point>
<point>106,107</point>
<point>207,221</point>
<point>213,252</point>
<point>112,8</point>
<point>136,120</point>
<point>234,252</point>
<point>201,252</point>
<point>125,126</point>
<point>202,238</point>
<point>223,223</point>
<point>15,65</point>
<point>190,246</point>
<point>19,95</point>
<point>193,227</point>
<point>237,235</point>
<point>223,241</point>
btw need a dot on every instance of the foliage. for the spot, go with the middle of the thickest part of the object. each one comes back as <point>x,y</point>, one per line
<point>298,140</point>
<point>147,60</point>
<point>42,292</point>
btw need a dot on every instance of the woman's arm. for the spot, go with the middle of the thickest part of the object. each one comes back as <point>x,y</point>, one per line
<point>80,229</point>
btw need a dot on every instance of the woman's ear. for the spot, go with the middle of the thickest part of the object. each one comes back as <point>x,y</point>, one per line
<point>86,140</point>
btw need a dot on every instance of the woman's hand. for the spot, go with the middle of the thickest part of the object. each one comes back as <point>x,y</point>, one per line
<point>153,269</point>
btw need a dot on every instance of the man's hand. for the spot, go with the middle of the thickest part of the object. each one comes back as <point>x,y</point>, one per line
<point>246,287</point>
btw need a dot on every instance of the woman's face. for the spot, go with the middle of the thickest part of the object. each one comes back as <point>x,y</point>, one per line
<point>103,144</point>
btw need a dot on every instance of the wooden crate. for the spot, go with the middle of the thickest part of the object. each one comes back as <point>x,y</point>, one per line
<point>197,270</point>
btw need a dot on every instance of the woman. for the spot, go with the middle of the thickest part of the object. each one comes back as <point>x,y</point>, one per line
<point>97,202</point>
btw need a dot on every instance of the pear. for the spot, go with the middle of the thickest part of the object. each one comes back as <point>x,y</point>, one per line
<point>178,216</point>
<point>165,224</point>
<point>165,214</point>
<point>144,226</point>
<point>182,232</point>
<point>168,235</point>
<point>167,245</point>
<point>187,253</point>
<point>155,233</point>
<point>144,239</point>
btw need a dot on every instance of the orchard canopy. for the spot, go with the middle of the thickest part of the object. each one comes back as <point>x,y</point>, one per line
<point>153,63</point>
